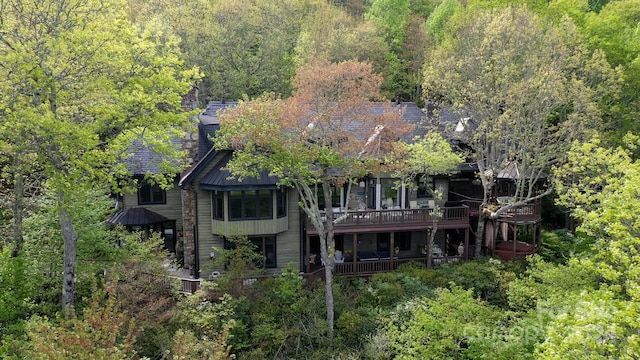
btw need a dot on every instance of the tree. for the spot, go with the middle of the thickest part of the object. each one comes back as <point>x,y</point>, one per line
<point>90,83</point>
<point>324,135</point>
<point>527,88</point>
<point>600,186</point>
<point>615,30</point>
<point>424,157</point>
<point>333,34</point>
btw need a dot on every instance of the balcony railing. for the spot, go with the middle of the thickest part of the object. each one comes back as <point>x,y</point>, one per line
<point>525,213</point>
<point>444,217</point>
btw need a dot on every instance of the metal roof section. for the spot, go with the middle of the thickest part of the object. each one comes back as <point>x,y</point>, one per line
<point>221,179</point>
<point>136,216</point>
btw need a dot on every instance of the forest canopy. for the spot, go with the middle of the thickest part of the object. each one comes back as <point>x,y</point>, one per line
<point>554,82</point>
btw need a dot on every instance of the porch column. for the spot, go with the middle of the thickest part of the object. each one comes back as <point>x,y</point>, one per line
<point>403,200</point>
<point>392,253</point>
<point>429,248</point>
<point>466,244</point>
<point>307,252</point>
<point>355,253</point>
<point>515,238</point>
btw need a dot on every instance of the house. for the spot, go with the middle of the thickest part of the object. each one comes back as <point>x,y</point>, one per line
<point>385,225</point>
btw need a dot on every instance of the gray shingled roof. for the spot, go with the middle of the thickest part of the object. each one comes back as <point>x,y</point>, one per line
<point>217,178</point>
<point>143,159</point>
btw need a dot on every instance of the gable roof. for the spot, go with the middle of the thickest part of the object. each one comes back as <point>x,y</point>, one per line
<point>208,124</point>
<point>219,178</point>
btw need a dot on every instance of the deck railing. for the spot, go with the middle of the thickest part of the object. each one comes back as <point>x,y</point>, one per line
<point>360,268</point>
<point>189,286</point>
<point>399,217</point>
<point>363,268</point>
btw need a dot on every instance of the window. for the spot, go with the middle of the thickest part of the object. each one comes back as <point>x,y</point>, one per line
<point>335,197</point>
<point>250,204</point>
<point>403,240</point>
<point>424,186</point>
<point>151,194</point>
<point>217,201</point>
<point>281,206</point>
<point>266,245</point>
<point>390,194</point>
<point>384,242</point>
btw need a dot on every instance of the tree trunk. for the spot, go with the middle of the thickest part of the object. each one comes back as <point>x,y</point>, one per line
<point>327,252</point>
<point>328,285</point>
<point>480,233</point>
<point>18,207</point>
<point>70,239</point>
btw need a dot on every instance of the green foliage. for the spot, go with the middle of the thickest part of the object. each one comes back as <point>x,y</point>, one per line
<point>103,332</point>
<point>391,16</point>
<point>447,326</point>
<point>437,21</point>
<point>559,246</point>
<point>15,292</point>
<point>610,213</point>
<point>598,326</point>
<point>240,260</point>
<point>142,290</point>
<point>544,281</point>
<point>187,346</point>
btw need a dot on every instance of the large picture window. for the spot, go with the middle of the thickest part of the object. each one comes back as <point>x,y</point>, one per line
<point>263,245</point>
<point>151,194</point>
<point>266,245</point>
<point>335,197</point>
<point>425,186</point>
<point>250,204</point>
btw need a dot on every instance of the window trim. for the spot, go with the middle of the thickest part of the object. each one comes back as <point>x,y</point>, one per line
<point>217,205</point>
<point>245,196</point>
<point>145,186</point>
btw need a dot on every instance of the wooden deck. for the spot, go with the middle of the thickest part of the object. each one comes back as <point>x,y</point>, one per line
<point>398,219</point>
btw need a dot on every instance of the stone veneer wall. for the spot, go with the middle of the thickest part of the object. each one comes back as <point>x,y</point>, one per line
<point>188,195</point>
<point>189,227</point>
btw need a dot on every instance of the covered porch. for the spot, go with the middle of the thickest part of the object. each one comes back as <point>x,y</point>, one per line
<point>373,241</point>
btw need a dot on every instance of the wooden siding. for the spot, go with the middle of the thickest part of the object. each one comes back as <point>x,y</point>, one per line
<point>209,232</point>
<point>287,242</point>
<point>250,227</point>
<point>172,208</point>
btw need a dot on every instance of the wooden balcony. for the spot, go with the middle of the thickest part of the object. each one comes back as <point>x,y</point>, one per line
<point>529,213</point>
<point>398,219</point>
<point>523,214</point>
